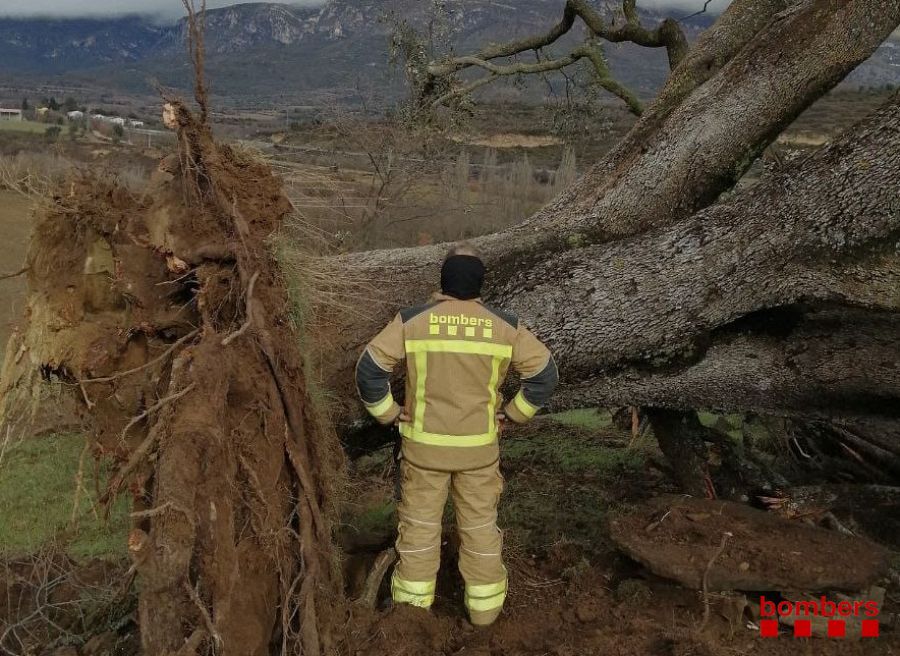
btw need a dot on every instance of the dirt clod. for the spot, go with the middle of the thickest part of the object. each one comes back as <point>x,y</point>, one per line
<point>762,551</point>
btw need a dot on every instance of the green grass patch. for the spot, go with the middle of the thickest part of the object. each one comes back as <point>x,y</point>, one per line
<point>37,493</point>
<point>587,418</point>
<point>25,126</point>
<point>564,485</point>
<point>571,454</point>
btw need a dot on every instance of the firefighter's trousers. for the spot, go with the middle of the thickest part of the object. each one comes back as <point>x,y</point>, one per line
<point>476,494</point>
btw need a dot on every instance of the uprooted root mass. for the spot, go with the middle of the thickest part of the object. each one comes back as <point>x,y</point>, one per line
<point>169,319</point>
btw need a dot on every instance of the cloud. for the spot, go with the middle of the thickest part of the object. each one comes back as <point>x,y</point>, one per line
<point>70,8</point>
<point>169,9</point>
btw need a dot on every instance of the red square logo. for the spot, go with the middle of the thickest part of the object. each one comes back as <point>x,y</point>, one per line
<point>870,628</point>
<point>802,629</point>
<point>837,628</point>
<point>768,628</point>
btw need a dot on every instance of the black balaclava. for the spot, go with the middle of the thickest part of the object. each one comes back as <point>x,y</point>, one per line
<point>462,277</point>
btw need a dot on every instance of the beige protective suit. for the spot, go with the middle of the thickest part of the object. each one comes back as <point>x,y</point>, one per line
<point>457,355</point>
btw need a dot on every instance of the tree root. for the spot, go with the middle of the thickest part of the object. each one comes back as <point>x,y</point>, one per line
<point>154,408</point>
<point>248,312</point>
<point>383,562</point>
<point>715,556</point>
<point>146,365</point>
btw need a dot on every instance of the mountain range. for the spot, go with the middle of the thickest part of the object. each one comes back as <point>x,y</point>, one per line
<point>336,52</point>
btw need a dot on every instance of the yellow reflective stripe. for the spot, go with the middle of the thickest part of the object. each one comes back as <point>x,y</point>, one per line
<point>485,597</point>
<point>421,372</point>
<point>486,589</point>
<point>416,593</point>
<point>492,390</point>
<point>385,404</point>
<point>410,433</point>
<point>489,603</point>
<point>414,587</point>
<point>458,346</point>
<point>523,406</point>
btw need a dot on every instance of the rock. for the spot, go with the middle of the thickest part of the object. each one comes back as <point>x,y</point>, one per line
<point>762,551</point>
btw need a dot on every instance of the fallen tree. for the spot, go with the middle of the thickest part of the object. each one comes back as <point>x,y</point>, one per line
<point>780,298</point>
<point>167,317</point>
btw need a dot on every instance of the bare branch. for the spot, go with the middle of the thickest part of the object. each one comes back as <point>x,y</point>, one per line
<point>589,51</point>
<point>697,13</point>
<point>667,34</point>
<point>197,51</point>
<point>607,81</point>
<point>511,48</point>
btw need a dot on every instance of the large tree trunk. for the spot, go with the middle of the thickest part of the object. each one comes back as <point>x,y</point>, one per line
<point>783,299</point>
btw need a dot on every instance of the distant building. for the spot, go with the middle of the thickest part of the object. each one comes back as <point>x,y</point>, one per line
<point>136,124</point>
<point>75,116</point>
<point>98,117</point>
<point>117,120</point>
<point>10,114</point>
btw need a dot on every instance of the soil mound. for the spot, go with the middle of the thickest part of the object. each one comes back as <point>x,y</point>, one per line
<point>680,538</point>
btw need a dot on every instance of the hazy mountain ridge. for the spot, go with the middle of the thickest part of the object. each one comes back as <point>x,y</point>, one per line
<point>273,50</point>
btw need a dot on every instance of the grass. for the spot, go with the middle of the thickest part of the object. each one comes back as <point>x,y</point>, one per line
<point>563,484</point>
<point>25,126</point>
<point>587,418</point>
<point>37,491</point>
<point>730,424</point>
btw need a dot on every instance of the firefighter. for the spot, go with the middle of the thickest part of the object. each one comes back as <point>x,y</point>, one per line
<point>457,351</point>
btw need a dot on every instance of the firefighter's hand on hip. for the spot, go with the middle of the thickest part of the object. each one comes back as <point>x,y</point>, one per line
<point>402,418</point>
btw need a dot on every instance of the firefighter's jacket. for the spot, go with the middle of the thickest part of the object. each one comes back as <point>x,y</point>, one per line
<point>457,355</point>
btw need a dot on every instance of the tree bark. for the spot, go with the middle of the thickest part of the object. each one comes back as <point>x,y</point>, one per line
<point>710,139</point>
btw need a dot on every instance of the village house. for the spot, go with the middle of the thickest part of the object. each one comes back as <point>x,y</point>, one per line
<point>10,114</point>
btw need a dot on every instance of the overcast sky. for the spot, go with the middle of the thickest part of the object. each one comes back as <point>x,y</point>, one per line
<point>167,8</point>
<point>172,8</point>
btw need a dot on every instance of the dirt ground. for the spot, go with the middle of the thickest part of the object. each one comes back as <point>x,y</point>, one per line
<point>572,591</point>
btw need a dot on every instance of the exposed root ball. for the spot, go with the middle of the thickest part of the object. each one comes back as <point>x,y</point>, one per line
<point>168,316</point>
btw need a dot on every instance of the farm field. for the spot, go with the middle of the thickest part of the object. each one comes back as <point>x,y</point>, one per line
<point>23,126</point>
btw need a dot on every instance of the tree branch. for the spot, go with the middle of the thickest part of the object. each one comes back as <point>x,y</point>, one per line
<point>667,34</point>
<point>589,51</point>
